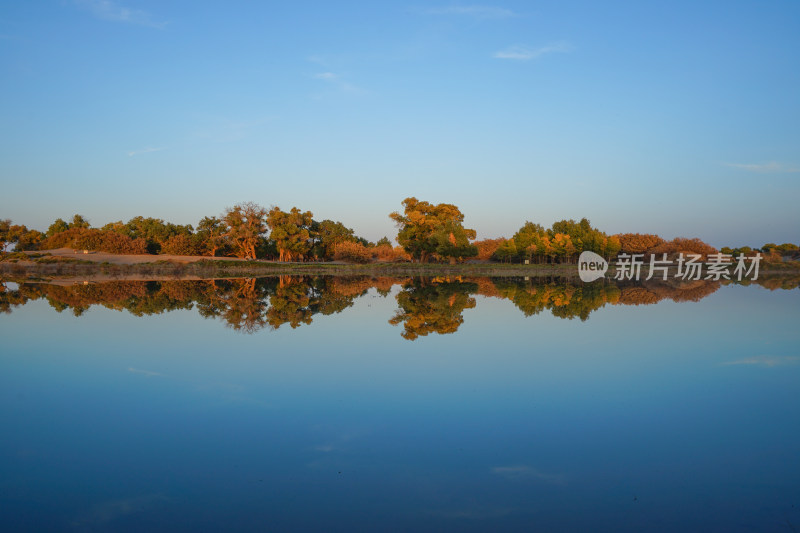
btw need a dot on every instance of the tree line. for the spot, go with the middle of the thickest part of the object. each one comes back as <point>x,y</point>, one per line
<point>427,232</point>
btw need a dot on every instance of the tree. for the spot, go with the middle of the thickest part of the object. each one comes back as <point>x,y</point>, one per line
<point>426,229</point>
<point>290,231</point>
<point>351,252</point>
<point>327,235</point>
<point>451,240</point>
<point>533,241</point>
<point>563,247</point>
<point>78,221</point>
<point>487,248</point>
<point>26,239</point>
<point>153,230</point>
<point>636,243</point>
<point>59,226</point>
<point>211,232</point>
<point>245,227</point>
<point>383,241</point>
<point>506,250</point>
<point>183,245</point>
<point>5,227</point>
<point>425,308</point>
<point>526,238</point>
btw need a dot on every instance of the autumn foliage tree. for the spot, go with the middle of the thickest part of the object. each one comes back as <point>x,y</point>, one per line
<point>638,243</point>
<point>211,232</point>
<point>327,235</point>
<point>245,227</point>
<point>426,229</point>
<point>95,239</point>
<point>5,226</point>
<point>183,245</point>
<point>486,248</point>
<point>684,246</point>
<point>561,243</point>
<point>352,252</point>
<point>290,232</point>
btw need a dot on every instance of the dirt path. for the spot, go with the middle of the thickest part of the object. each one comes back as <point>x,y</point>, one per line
<point>119,259</point>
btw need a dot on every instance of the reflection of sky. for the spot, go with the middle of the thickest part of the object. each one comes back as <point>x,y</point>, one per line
<point>172,420</point>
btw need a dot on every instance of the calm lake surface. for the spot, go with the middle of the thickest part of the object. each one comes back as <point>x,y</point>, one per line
<point>403,405</point>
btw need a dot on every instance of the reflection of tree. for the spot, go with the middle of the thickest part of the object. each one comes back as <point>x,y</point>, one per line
<point>10,298</point>
<point>675,290</point>
<point>289,304</point>
<point>432,306</point>
<point>570,299</point>
<point>243,305</point>
<point>561,298</point>
<point>425,305</point>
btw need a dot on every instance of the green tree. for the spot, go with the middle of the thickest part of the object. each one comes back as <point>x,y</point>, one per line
<point>153,230</point>
<point>59,226</point>
<point>211,232</point>
<point>78,221</point>
<point>290,232</point>
<point>5,228</point>
<point>426,229</point>
<point>527,237</point>
<point>432,307</point>
<point>506,251</point>
<point>327,234</point>
<point>26,239</point>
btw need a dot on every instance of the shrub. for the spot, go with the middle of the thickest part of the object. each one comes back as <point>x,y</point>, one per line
<point>638,243</point>
<point>685,246</point>
<point>95,240</point>
<point>487,248</point>
<point>352,252</point>
<point>385,252</point>
<point>182,244</point>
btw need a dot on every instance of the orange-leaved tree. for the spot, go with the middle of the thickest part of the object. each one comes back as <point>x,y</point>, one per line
<point>245,227</point>
<point>426,229</point>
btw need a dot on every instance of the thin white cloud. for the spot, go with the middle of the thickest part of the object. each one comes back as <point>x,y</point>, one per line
<point>337,81</point>
<point>146,150</point>
<point>766,360</point>
<point>525,53</point>
<point>764,168</point>
<point>326,76</point>
<point>108,10</point>
<point>478,12</point>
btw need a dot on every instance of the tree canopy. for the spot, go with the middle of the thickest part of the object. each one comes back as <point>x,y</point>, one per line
<point>426,230</point>
<point>290,232</point>
<point>245,226</point>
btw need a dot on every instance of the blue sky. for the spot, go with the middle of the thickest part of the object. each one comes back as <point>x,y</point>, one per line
<point>681,118</point>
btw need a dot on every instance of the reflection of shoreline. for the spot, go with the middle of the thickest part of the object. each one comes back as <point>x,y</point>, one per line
<point>72,269</point>
<point>425,304</point>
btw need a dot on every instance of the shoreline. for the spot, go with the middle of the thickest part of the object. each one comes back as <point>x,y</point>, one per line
<point>67,263</point>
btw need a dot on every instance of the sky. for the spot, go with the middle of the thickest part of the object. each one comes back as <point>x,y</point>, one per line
<point>679,118</point>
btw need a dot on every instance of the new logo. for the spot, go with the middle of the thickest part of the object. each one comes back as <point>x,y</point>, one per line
<point>591,266</point>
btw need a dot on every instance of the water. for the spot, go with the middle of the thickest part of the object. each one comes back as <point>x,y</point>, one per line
<point>442,405</point>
